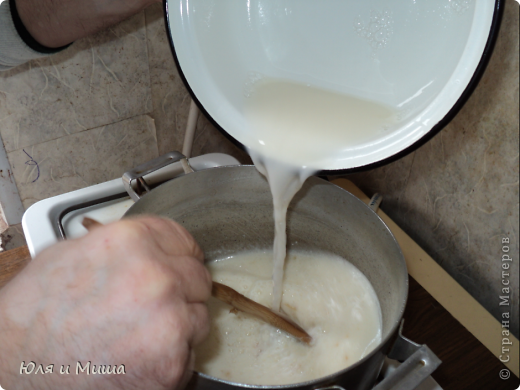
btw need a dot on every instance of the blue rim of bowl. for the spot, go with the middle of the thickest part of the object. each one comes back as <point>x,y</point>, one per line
<point>475,79</point>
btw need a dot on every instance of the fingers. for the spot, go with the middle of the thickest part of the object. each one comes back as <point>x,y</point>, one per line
<point>139,279</point>
<point>144,233</point>
<point>190,324</point>
<point>172,251</point>
<point>180,249</point>
<point>181,254</point>
<point>166,235</point>
<point>188,371</point>
<point>170,237</point>
<point>199,320</point>
<point>193,279</point>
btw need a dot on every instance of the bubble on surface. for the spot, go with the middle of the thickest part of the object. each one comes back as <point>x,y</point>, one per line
<point>253,78</point>
<point>378,30</point>
<point>453,8</point>
<point>459,6</point>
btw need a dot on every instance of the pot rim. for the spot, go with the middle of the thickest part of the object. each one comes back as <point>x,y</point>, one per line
<point>330,377</point>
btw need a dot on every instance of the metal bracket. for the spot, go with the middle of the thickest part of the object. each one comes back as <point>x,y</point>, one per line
<point>137,174</point>
<point>418,363</point>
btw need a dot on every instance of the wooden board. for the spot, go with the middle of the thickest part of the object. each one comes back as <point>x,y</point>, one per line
<point>466,363</point>
<point>12,262</point>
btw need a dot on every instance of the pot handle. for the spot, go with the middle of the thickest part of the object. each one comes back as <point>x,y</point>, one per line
<point>418,363</point>
<point>148,167</point>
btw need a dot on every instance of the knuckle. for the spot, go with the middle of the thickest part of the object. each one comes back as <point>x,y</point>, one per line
<point>198,275</point>
<point>203,274</point>
<point>170,369</point>
<point>208,283</point>
<point>186,239</point>
<point>173,238</point>
<point>204,319</point>
<point>200,323</point>
<point>180,322</point>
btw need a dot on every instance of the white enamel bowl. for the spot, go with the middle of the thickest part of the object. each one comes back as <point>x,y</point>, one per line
<point>423,58</point>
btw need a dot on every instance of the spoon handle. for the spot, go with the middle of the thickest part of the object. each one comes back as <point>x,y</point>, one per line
<point>240,302</point>
<point>89,223</point>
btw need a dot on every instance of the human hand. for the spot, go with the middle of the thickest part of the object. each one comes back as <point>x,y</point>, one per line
<point>55,23</point>
<point>130,293</point>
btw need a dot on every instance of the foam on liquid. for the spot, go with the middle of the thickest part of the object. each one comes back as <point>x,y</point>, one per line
<point>295,131</point>
<point>329,297</point>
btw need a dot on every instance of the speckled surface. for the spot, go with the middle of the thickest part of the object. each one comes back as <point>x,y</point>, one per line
<point>457,196</point>
<point>171,101</point>
<point>83,159</point>
<point>97,81</point>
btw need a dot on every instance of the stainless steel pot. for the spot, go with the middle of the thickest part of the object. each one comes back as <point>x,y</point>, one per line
<point>229,209</point>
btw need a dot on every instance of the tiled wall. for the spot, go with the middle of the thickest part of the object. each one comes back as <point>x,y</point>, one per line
<point>114,100</point>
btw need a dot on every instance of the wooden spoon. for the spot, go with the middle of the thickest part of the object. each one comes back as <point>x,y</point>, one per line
<point>240,302</point>
<point>89,223</point>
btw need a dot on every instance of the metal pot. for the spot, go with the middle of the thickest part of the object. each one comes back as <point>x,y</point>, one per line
<point>229,209</point>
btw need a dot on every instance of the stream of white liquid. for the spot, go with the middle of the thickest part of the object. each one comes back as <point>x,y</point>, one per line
<point>285,181</point>
<point>296,131</point>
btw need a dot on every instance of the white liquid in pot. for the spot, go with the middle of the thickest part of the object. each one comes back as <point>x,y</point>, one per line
<point>296,129</point>
<point>329,297</point>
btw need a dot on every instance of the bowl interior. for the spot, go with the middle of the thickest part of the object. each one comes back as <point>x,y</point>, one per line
<point>416,57</point>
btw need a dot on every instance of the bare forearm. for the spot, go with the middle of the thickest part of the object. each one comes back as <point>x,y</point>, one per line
<point>55,23</point>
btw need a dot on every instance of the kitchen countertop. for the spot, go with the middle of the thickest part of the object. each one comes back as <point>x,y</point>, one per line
<point>438,313</point>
